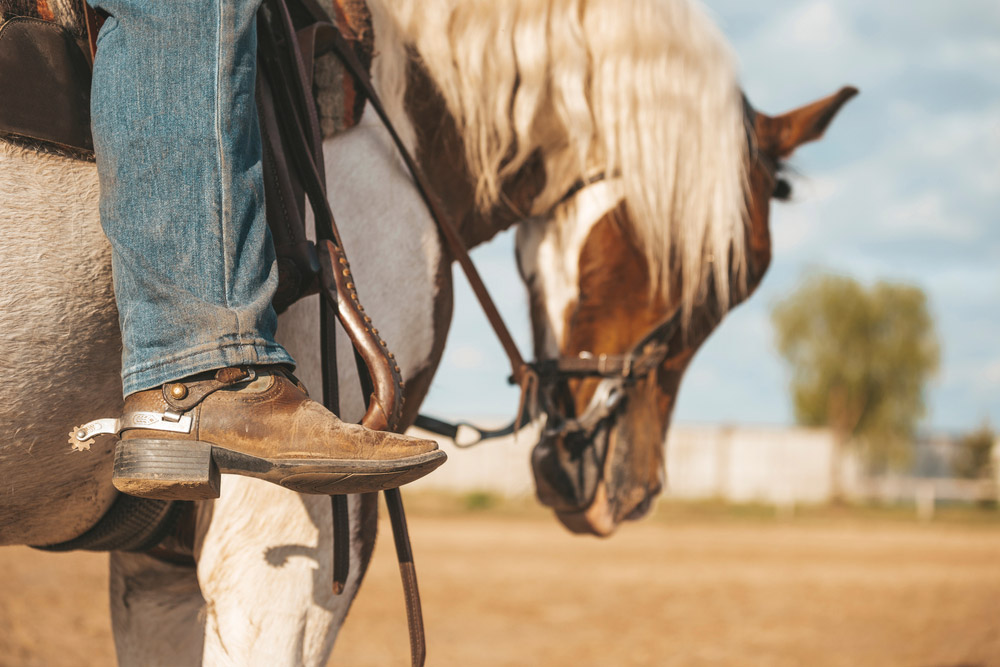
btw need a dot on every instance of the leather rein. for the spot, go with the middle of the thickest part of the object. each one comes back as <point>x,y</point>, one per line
<point>617,371</point>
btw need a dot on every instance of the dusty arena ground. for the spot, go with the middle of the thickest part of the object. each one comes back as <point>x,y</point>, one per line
<point>506,586</point>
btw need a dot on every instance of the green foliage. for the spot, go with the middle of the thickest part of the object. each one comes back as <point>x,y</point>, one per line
<point>974,460</point>
<point>860,359</point>
<point>479,500</point>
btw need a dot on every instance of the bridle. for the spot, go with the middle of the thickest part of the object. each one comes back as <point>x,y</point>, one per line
<point>617,373</point>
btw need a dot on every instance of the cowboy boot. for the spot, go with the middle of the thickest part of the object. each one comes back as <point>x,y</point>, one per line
<point>258,422</point>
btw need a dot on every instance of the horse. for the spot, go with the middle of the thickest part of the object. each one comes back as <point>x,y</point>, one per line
<point>570,90</point>
<point>639,178</point>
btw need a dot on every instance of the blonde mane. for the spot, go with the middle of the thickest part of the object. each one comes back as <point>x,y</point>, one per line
<point>645,89</point>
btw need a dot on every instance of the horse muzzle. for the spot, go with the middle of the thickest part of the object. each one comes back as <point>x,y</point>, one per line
<point>585,479</point>
<point>569,468</point>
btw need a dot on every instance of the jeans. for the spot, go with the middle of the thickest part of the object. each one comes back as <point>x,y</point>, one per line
<point>182,195</point>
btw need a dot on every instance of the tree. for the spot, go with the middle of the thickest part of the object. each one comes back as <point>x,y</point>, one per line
<point>975,452</point>
<point>860,359</point>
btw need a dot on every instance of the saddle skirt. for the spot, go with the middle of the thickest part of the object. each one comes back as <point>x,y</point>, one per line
<point>67,13</point>
<point>338,101</point>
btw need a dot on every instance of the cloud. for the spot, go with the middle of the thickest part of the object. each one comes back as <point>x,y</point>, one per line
<point>813,47</point>
<point>935,180</point>
<point>794,226</point>
<point>467,358</point>
<point>816,26</point>
<point>926,215</point>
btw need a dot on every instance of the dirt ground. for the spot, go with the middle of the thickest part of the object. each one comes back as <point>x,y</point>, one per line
<point>517,590</point>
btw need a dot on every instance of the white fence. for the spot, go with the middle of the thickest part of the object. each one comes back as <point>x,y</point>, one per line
<point>752,463</point>
<point>501,466</point>
<point>775,465</point>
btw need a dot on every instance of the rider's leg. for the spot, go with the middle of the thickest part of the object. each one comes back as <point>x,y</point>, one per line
<point>179,157</point>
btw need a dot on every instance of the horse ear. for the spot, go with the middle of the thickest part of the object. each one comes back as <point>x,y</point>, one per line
<point>784,133</point>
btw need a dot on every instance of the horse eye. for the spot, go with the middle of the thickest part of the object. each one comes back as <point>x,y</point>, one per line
<point>782,190</point>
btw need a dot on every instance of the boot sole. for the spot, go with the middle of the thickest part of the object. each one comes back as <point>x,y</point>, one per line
<point>190,470</point>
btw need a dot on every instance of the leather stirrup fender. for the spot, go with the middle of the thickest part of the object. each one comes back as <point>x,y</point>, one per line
<point>46,71</point>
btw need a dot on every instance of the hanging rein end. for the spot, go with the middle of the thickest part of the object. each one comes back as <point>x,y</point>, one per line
<point>385,410</point>
<point>341,543</point>
<point>337,287</point>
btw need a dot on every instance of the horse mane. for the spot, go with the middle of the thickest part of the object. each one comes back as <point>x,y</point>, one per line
<point>646,90</point>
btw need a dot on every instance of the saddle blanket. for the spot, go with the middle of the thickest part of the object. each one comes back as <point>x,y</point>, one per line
<point>339,103</point>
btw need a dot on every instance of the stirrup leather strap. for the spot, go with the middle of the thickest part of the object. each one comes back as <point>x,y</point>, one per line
<point>299,127</point>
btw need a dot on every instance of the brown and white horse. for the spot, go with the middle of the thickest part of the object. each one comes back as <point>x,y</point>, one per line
<point>507,105</point>
<point>641,180</point>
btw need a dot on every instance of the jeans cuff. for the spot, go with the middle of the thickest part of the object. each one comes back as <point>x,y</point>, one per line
<point>234,354</point>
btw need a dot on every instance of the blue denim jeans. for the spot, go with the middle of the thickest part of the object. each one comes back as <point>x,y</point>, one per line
<point>182,194</point>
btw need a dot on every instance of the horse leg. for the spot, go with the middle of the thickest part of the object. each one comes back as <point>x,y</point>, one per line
<point>265,566</point>
<point>155,612</point>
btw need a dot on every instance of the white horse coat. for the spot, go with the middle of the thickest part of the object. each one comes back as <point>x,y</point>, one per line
<point>262,591</point>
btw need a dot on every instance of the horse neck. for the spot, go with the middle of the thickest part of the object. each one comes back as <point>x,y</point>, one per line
<point>441,155</point>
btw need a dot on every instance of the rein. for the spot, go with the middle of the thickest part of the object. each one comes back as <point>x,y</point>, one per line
<point>520,371</point>
<point>618,371</point>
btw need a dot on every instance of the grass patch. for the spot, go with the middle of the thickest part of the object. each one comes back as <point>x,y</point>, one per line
<point>478,501</point>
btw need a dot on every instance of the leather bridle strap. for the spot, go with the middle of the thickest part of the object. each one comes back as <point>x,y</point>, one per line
<point>651,350</point>
<point>465,435</point>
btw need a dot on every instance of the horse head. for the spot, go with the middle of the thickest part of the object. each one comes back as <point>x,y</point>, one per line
<point>639,179</point>
<point>594,298</point>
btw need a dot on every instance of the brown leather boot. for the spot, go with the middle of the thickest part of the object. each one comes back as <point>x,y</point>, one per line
<point>258,422</point>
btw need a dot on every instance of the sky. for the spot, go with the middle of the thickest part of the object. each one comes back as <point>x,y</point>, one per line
<point>905,187</point>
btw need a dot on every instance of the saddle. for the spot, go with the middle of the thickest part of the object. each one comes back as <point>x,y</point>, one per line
<point>303,95</point>
<point>58,44</point>
<point>45,65</point>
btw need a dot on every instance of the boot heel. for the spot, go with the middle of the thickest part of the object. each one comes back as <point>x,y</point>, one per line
<point>166,469</point>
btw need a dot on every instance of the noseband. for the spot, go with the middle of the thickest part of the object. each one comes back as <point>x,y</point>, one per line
<point>618,372</point>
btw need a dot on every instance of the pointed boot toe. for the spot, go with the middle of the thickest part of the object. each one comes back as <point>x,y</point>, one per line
<point>177,440</point>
